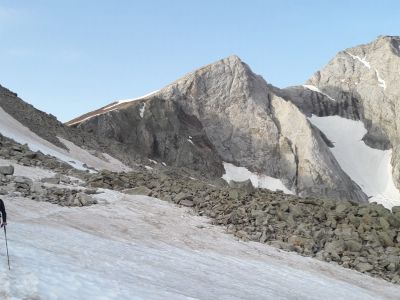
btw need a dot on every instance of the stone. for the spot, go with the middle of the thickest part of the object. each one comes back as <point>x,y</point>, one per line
<point>187,203</point>
<point>65,179</point>
<point>385,239</point>
<point>385,224</point>
<point>246,185</point>
<point>85,199</point>
<point>396,209</point>
<point>234,194</point>
<point>7,170</point>
<point>364,267</point>
<point>342,207</point>
<point>335,247</point>
<point>242,234</point>
<point>91,191</point>
<point>353,246</point>
<point>140,190</point>
<point>51,180</point>
<point>23,180</point>
<point>183,196</point>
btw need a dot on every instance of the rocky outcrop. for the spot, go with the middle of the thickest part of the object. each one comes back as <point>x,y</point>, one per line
<point>246,123</point>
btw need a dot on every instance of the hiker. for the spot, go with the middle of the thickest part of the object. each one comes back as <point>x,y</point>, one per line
<point>3,214</point>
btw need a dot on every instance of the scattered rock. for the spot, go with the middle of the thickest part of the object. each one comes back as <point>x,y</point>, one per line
<point>51,180</point>
<point>246,185</point>
<point>364,267</point>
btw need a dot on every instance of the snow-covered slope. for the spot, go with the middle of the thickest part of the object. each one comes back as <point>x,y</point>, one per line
<point>108,108</point>
<point>76,156</point>
<point>136,247</point>
<point>369,168</point>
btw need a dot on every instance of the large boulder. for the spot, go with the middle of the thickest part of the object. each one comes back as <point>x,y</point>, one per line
<point>246,185</point>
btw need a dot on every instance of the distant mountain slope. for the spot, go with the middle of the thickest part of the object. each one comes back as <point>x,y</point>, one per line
<point>361,83</point>
<point>41,131</point>
<point>247,123</point>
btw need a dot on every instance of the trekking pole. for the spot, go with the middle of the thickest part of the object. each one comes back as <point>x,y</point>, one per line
<point>8,257</point>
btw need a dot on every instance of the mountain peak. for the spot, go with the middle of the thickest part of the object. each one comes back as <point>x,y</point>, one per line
<point>233,58</point>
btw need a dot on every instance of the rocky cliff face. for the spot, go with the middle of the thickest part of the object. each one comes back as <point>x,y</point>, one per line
<point>246,122</point>
<point>361,82</point>
<point>160,130</point>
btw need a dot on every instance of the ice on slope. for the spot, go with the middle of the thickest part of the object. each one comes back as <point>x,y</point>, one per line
<point>118,102</point>
<point>76,156</point>
<point>369,168</point>
<point>381,82</point>
<point>136,247</point>
<point>235,173</point>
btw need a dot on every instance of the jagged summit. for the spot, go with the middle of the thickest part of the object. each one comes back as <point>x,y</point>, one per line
<point>222,68</point>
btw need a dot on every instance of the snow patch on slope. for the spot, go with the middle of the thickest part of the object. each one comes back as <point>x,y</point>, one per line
<point>142,109</point>
<point>369,168</point>
<point>382,82</point>
<point>235,173</point>
<point>76,156</point>
<point>118,102</point>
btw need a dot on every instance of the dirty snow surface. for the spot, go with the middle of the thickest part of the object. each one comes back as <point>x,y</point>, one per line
<point>235,173</point>
<point>136,247</point>
<point>369,168</point>
<point>76,156</point>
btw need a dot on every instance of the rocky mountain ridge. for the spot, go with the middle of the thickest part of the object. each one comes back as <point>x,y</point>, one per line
<point>247,123</point>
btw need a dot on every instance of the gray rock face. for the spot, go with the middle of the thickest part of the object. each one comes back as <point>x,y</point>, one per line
<point>161,130</point>
<point>241,120</point>
<point>366,78</point>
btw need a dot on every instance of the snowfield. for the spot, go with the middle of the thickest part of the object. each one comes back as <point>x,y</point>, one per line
<point>235,173</point>
<point>369,168</point>
<point>137,247</point>
<point>76,156</point>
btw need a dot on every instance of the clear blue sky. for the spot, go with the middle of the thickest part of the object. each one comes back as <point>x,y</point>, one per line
<point>67,57</point>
